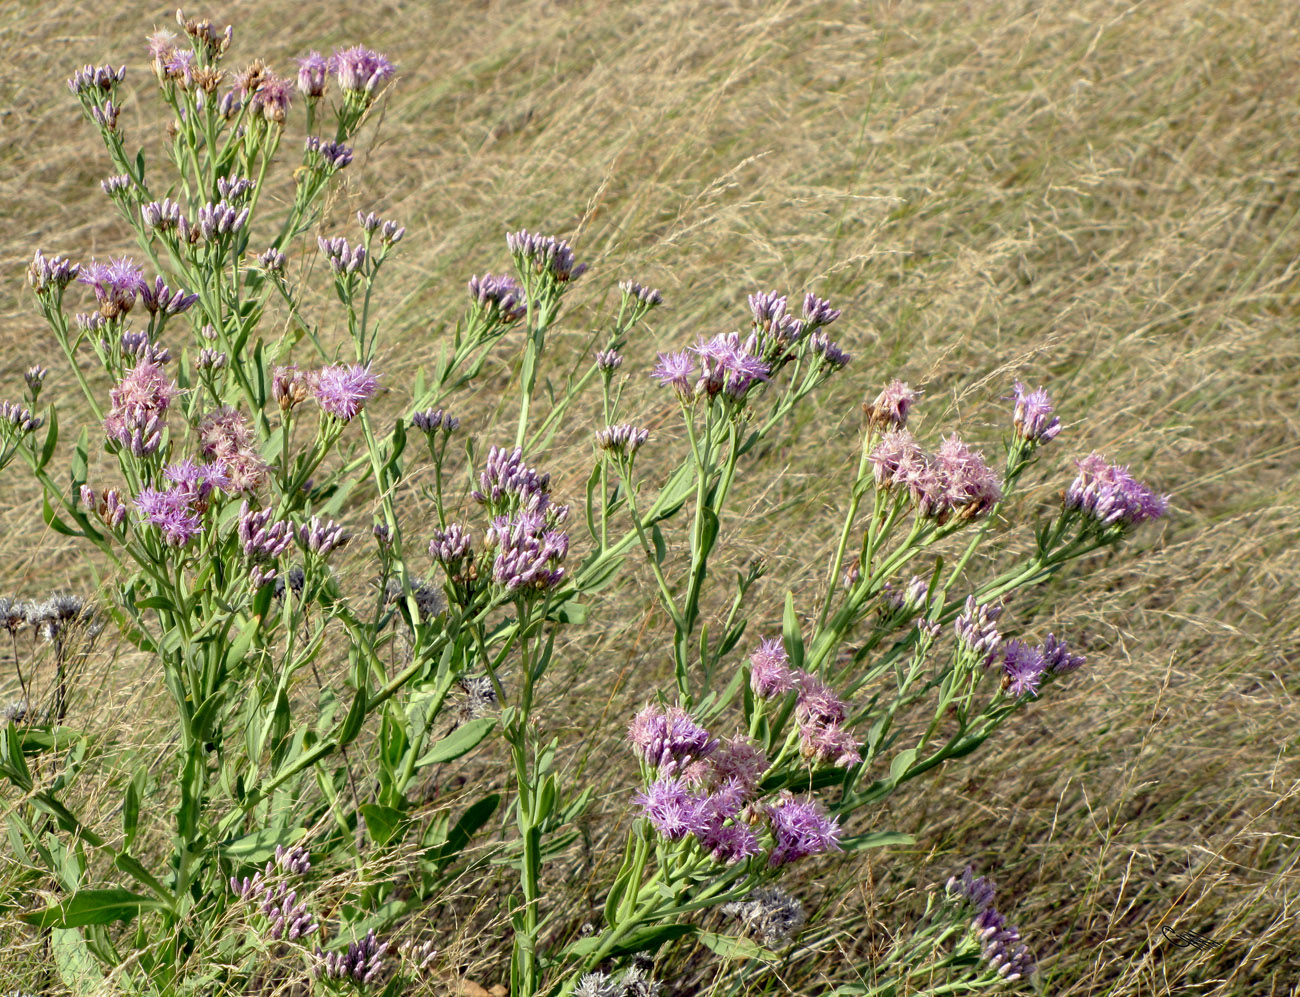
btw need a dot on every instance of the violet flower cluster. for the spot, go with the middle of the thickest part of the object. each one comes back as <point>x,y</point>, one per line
<point>1000,943</point>
<point>707,790</point>
<point>342,390</point>
<point>820,714</point>
<point>955,481</point>
<point>362,962</point>
<point>1022,666</point>
<point>545,255</point>
<point>530,547</point>
<point>1109,495</point>
<point>288,918</point>
<point>498,299</point>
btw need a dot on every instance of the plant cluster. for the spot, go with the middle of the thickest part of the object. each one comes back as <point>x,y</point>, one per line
<point>244,465</point>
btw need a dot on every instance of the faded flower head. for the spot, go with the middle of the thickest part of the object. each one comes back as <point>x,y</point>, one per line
<point>890,409</point>
<point>428,597</point>
<point>971,487</point>
<point>226,439</point>
<point>622,440</point>
<point>770,913</point>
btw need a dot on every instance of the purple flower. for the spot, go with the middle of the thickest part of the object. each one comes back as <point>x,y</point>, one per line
<point>732,768</point>
<point>1108,494</point>
<point>360,71</point>
<point>158,297</point>
<point>507,484</point>
<point>273,96</point>
<point>116,185</point>
<point>891,406</point>
<point>46,273</point>
<point>976,629</point>
<point>197,479</point>
<point>772,322</point>
<point>451,546</point>
<point>970,485</point>
<point>342,390</point>
<point>727,841</point>
<point>1033,417</point>
<point>138,413</point>
<point>978,891</point>
<point>431,420</point>
<point>93,79</point>
<point>327,156</point>
<point>320,536</point>
<point>1057,657</point>
<point>363,962</point>
<point>263,539</point>
<point>898,459</point>
<point>170,511</point>
<point>1001,946</point>
<point>830,352</point>
<point>817,312</point>
<point>529,554</point>
<point>645,297</point>
<point>116,284</point>
<point>817,703</point>
<point>609,360</point>
<point>669,740</point>
<point>730,366</point>
<point>289,386</point>
<point>800,828</point>
<point>500,298</point>
<point>677,370</point>
<point>622,440</point>
<point>910,600</point>
<point>769,669</point>
<point>829,743</point>
<point>1022,668</point>
<point>342,258</point>
<point>312,70</point>
<point>674,811</point>
<point>544,255</point>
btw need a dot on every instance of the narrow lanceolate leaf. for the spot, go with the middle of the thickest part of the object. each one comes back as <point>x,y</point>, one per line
<point>792,637</point>
<point>461,741</point>
<point>91,907</point>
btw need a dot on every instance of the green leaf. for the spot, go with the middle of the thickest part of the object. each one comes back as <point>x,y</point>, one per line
<point>54,522</point>
<point>51,437</point>
<point>136,870</point>
<point>80,459</point>
<point>661,547</point>
<point>91,907</point>
<point>382,823</point>
<point>791,634</point>
<point>901,763</point>
<point>876,839</point>
<point>156,602</point>
<point>258,847</point>
<point>355,718</point>
<point>478,814</point>
<point>461,741</point>
<point>12,760</point>
<point>569,612</point>
<point>130,813</point>
<point>645,939</point>
<point>78,969</point>
<point>732,947</point>
<point>594,576</point>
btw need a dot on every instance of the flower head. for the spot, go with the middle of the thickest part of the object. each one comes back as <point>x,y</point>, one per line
<point>499,297</point>
<point>273,96</point>
<point>1022,668</point>
<point>226,439</point>
<point>622,440</point>
<point>137,416</point>
<point>676,370</point>
<point>342,390</point>
<point>801,828</point>
<point>360,71</point>
<point>1108,494</point>
<point>769,669</point>
<point>1057,657</point>
<point>891,406</point>
<point>970,486</point>
<point>312,70</point>
<point>1033,417</point>
<point>674,811</point>
<point>117,283</point>
<point>669,739</point>
<point>544,254</point>
<point>172,512</point>
<point>362,962</point>
<point>770,913</point>
<point>977,631</point>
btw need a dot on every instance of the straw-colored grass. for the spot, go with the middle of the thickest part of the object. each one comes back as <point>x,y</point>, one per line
<point>1098,196</point>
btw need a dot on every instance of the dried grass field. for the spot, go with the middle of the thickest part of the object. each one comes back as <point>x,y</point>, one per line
<point>1098,196</point>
